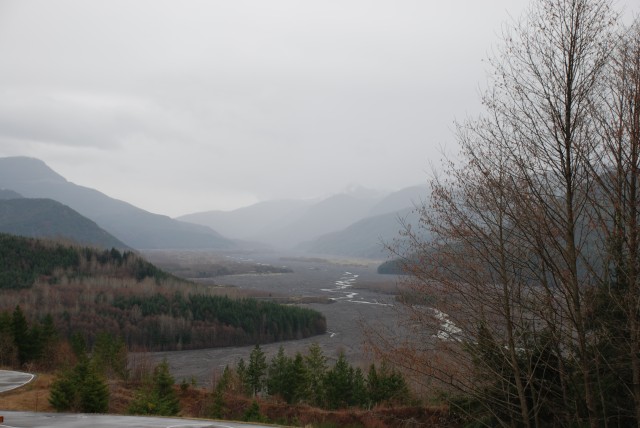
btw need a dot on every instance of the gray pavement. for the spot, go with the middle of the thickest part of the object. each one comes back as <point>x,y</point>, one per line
<point>11,380</point>
<point>69,420</point>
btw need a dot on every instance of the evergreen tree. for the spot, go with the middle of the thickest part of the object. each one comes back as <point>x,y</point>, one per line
<point>297,380</point>
<point>253,413</point>
<point>20,329</point>
<point>241,370</point>
<point>279,372</point>
<point>256,371</point>
<point>218,407</point>
<point>374,389</point>
<point>359,395</point>
<point>385,384</point>
<point>168,403</point>
<point>339,384</point>
<point>92,391</point>
<point>48,339</point>
<point>110,356</point>
<point>316,368</point>
<point>80,389</point>
<point>79,346</point>
<point>8,349</point>
<point>63,392</point>
<point>157,396</point>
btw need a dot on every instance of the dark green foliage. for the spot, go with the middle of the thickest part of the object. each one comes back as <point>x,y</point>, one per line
<point>241,370</point>
<point>142,269</point>
<point>25,343</point>
<point>279,374</point>
<point>217,407</point>
<point>92,390</point>
<point>386,385</point>
<point>168,403</point>
<point>315,369</point>
<point>256,371</point>
<point>81,389</point>
<point>286,377</point>
<point>157,396</point>
<point>359,393</point>
<point>339,384</point>
<point>253,413</point>
<point>307,379</point>
<point>79,345</point>
<point>8,348</point>
<point>294,389</point>
<point>24,260</point>
<point>21,336</point>
<point>243,320</point>
<point>110,356</point>
<point>392,267</point>
<point>63,392</point>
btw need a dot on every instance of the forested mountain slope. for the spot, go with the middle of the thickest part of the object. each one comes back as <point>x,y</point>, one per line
<point>366,238</point>
<point>46,218</point>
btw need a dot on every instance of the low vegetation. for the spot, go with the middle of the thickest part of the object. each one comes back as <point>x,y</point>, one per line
<point>205,265</point>
<point>299,390</point>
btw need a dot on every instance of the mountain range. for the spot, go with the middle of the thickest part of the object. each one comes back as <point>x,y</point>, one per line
<point>354,223</point>
<point>46,218</point>
<point>136,227</point>
<point>357,223</point>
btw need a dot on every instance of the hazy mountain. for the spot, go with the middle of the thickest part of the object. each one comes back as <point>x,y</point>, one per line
<point>249,222</point>
<point>365,238</point>
<point>286,223</point>
<point>290,223</point>
<point>136,227</point>
<point>400,200</point>
<point>382,225</point>
<point>9,194</point>
<point>46,218</point>
<point>329,215</point>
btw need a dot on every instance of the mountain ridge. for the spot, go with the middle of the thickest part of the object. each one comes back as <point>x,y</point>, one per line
<point>325,226</point>
<point>134,226</point>
<point>46,218</point>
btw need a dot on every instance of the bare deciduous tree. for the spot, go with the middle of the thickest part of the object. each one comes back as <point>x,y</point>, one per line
<point>505,297</point>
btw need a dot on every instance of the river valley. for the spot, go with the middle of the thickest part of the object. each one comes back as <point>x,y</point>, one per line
<point>355,298</point>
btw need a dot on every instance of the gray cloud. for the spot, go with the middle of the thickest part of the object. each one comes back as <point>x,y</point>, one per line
<point>181,106</point>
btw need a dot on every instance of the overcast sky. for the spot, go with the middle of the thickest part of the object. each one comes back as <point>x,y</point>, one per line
<point>185,106</point>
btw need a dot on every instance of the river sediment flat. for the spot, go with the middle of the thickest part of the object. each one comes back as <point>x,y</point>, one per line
<point>356,297</point>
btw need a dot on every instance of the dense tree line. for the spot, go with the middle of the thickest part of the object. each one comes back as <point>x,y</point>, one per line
<point>310,380</point>
<point>232,321</point>
<point>533,270</point>
<point>25,260</point>
<point>22,342</point>
<point>80,384</point>
<point>162,321</point>
<point>391,267</point>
